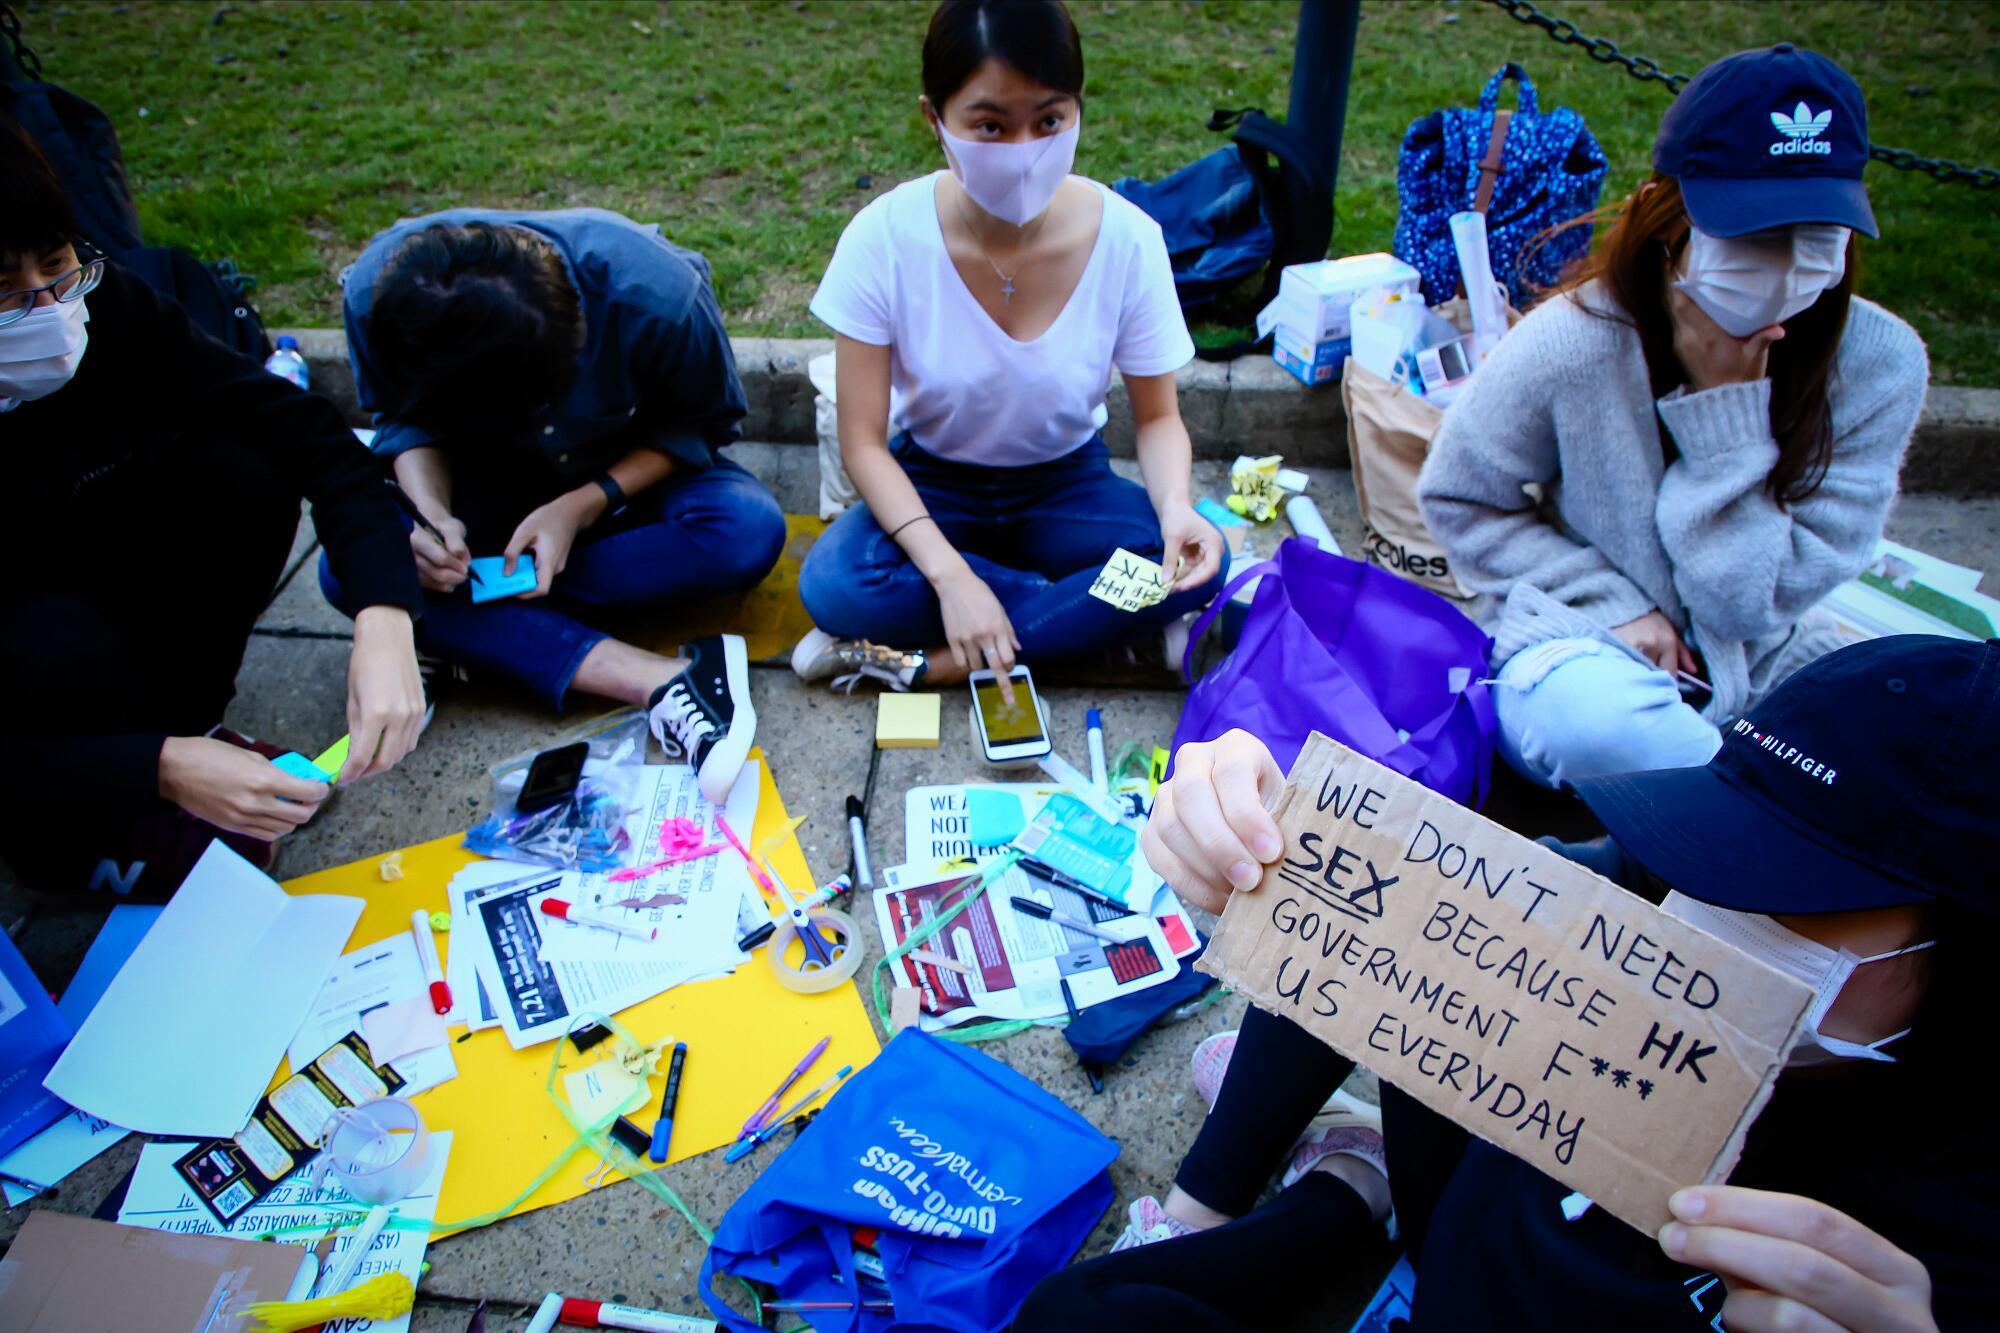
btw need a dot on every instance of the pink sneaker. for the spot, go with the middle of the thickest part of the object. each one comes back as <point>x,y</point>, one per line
<point>1347,1125</point>
<point>1148,1222</point>
<point>1210,1062</point>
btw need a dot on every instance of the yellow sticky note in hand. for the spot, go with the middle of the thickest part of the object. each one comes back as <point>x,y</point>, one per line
<point>1130,582</point>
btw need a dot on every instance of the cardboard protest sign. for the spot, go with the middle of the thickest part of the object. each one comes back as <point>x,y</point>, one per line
<point>1534,1003</point>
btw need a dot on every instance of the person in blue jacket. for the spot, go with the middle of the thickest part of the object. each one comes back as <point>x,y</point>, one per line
<point>559,385</point>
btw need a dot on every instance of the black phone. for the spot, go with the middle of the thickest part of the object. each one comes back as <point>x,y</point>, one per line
<point>552,778</point>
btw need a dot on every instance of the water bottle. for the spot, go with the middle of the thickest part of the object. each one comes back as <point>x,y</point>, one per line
<point>287,364</point>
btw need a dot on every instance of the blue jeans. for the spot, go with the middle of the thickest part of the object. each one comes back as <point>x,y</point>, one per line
<point>693,536</point>
<point>1583,708</point>
<point>1037,535</point>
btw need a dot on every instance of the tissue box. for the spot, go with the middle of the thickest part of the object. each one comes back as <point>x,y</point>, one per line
<point>1309,362</point>
<point>1313,299</point>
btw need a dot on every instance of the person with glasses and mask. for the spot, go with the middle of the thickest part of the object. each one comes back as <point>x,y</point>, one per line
<point>1658,473</point>
<point>154,490</point>
<point>979,313</point>
<point>1845,834</point>
<point>559,386</point>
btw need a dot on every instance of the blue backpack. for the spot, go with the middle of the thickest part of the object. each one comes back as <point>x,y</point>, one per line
<point>965,1182</point>
<point>1526,171</point>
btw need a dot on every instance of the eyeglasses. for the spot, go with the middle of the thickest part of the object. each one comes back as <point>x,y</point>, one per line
<point>71,286</point>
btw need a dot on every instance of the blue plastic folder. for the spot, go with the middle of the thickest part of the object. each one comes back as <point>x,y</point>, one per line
<point>32,1035</point>
<point>490,584</point>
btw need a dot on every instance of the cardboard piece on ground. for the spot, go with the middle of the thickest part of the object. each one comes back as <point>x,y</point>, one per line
<point>907,721</point>
<point>906,1008</point>
<point>189,1030</point>
<point>744,1033</point>
<point>66,1273</point>
<point>1534,1003</point>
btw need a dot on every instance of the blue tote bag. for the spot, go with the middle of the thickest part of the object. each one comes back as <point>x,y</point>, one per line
<point>974,1182</point>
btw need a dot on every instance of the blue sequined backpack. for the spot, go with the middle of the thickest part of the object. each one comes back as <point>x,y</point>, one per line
<point>1525,170</point>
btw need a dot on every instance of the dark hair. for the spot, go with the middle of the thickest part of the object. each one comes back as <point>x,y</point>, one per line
<point>1036,37</point>
<point>472,323</point>
<point>1632,261</point>
<point>36,217</point>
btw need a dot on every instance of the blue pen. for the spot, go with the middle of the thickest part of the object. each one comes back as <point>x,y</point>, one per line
<point>777,1122</point>
<point>1093,730</point>
<point>663,1128</point>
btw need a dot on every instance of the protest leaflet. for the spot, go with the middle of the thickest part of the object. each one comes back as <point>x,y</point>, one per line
<point>1532,1002</point>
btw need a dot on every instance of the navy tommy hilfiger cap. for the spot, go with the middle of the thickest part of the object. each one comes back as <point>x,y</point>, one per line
<point>1869,778</point>
<point>1769,138</point>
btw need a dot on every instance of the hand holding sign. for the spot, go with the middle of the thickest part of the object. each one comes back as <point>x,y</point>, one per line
<point>1534,1003</point>
<point>1130,582</point>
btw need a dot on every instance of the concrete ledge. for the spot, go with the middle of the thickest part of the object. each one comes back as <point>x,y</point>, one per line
<point>1244,406</point>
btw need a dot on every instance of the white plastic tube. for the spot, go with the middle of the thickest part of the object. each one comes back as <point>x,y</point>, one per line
<point>1307,521</point>
<point>1482,294</point>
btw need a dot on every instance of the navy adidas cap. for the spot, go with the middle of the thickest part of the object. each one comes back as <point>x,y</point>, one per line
<point>1869,778</point>
<point>1769,138</point>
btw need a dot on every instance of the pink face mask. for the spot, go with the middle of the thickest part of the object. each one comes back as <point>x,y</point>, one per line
<point>1012,181</point>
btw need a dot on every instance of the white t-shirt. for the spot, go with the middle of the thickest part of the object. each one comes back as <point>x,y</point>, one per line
<point>960,385</point>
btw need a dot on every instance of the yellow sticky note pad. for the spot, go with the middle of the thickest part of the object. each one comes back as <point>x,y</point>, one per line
<point>744,1033</point>
<point>908,721</point>
<point>1130,582</point>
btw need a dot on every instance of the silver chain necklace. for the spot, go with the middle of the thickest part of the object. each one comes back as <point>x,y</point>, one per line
<point>1020,258</point>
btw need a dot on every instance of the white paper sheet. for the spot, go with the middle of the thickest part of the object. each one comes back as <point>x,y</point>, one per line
<point>160,1199</point>
<point>368,978</point>
<point>703,930</point>
<point>57,1151</point>
<point>190,1030</point>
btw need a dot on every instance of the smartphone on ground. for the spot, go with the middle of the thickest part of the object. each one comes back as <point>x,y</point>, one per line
<point>1008,732</point>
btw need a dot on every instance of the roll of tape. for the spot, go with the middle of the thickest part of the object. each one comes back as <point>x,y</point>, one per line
<point>812,979</point>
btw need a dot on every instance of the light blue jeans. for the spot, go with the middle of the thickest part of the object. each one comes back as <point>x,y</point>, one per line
<point>1581,708</point>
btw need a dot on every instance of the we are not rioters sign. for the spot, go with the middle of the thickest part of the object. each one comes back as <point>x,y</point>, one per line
<point>1536,1004</point>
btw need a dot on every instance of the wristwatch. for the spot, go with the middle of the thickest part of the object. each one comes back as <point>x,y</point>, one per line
<point>614,494</point>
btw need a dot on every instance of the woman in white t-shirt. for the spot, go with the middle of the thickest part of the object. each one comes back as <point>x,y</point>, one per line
<point>980,312</point>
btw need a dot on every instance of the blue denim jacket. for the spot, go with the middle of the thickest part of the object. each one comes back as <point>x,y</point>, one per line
<point>656,368</point>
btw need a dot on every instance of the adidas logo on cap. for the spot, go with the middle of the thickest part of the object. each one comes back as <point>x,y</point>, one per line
<point>1801,131</point>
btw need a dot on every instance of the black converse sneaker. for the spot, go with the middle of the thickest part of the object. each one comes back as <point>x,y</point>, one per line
<point>705,714</point>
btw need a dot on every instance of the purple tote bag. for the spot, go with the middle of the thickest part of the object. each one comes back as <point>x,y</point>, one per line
<point>1376,662</point>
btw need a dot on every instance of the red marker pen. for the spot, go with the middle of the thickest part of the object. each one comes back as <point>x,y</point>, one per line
<point>583,916</point>
<point>427,953</point>
<point>596,1314</point>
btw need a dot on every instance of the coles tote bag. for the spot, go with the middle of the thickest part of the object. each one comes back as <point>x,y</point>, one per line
<point>1341,647</point>
<point>963,1180</point>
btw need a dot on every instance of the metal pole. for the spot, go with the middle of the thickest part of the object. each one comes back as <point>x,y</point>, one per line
<point>1322,61</point>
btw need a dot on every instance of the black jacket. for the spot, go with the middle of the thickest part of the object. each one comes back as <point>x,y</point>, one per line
<point>147,380</point>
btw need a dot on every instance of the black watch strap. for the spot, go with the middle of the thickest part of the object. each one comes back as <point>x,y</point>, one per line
<point>614,494</point>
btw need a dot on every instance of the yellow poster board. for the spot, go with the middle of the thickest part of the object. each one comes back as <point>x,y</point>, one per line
<point>744,1032</point>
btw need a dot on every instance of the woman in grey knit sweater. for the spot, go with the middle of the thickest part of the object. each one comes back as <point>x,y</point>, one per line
<point>1659,472</point>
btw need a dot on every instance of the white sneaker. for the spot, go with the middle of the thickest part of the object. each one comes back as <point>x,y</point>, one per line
<point>1147,1222</point>
<point>705,713</point>
<point>820,656</point>
<point>1347,1126</point>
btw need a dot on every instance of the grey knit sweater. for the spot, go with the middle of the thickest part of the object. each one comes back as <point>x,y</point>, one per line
<point>1564,405</point>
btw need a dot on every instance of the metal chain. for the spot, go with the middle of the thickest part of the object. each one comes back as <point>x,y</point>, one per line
<point>10,27</point>
<point>1605,52</point>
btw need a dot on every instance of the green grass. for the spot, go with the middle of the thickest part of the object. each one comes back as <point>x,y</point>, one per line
<point>285,134</point>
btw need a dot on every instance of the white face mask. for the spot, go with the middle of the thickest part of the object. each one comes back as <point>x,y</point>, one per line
<point>1820,966</point>
<point>1012,181</point>
<point>1746,283</point>
<point>39,352</point>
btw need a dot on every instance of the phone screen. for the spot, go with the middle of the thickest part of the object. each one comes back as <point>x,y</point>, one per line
<point>1015,724</point>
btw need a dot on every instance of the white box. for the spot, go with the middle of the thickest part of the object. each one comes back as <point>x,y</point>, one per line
<point>1313,299</point>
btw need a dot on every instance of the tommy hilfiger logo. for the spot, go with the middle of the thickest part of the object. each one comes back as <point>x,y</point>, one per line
<point>1801,130</point>
<point>1790,754</point>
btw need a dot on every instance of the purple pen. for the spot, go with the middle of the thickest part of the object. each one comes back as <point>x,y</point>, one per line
<point>756,1122</point>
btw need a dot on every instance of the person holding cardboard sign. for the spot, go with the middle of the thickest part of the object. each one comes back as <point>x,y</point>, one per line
<point>153,499</point>
<point>1663,468</point>
<point>980,312</point>
<point>1841,841</point>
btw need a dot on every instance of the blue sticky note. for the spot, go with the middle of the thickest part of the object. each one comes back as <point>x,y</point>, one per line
<point>299,766</point>
<point>996,817</point>
<point>1219,514</point>
<point>490,584</point>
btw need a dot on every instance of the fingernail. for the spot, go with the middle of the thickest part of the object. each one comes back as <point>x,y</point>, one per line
<point>1687,1204</point>
<point>1243,874</point>
<point>1673,1239</point>
<point>1266,847</point>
